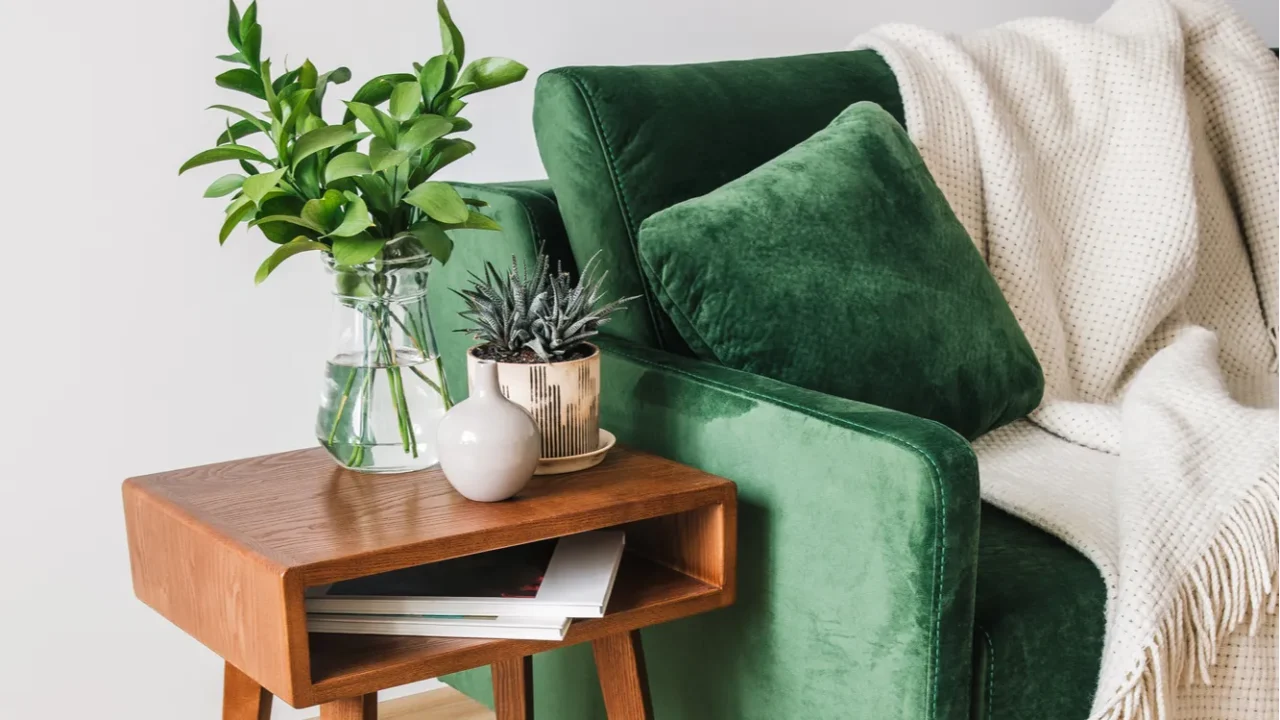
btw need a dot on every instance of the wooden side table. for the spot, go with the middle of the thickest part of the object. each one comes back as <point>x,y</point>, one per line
<point>225,552</point>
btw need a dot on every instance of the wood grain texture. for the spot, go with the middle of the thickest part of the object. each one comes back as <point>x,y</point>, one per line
<point>222,594</point>
<point>513,688</point>
<point>623,680</point>
<point>300,511</point>
<point>242,697</point>
<point>361,707</point>
<point>700,542</point>
<point>226,551</point>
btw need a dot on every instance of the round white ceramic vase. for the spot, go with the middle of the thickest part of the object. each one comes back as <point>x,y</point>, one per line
<point>489,446</point>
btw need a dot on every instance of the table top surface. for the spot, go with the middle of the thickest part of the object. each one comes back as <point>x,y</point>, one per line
<point>301,512</point>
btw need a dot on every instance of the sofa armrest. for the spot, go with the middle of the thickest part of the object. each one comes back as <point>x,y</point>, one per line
<point>858,536</point>
<point>530,220</point>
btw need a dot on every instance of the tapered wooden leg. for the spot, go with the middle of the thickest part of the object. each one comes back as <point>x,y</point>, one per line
<point>242,697</point>
<point>620,664</point>
<point>513,688</point>
<point>361,707</point>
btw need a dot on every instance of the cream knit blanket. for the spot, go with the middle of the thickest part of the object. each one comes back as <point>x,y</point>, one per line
<point>1121,180</point>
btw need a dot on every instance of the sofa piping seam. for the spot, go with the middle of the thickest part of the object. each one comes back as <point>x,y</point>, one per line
<point>991,672</point>
<point>615,176</point>
<point>939,561</point>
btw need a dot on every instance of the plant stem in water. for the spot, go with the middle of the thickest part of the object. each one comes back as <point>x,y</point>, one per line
<point>441,389</point>
<point>396,383</point>
<point>342,404</point>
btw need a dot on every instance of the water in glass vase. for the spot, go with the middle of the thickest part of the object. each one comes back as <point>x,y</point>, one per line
<point>381,417</point>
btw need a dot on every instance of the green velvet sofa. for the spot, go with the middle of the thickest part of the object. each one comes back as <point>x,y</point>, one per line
<point>873,582</point>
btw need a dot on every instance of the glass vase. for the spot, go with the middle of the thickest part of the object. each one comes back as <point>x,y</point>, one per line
<point>384,392</point>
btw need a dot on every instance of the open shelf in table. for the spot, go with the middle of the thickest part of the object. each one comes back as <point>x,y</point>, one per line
<point>645,593</point>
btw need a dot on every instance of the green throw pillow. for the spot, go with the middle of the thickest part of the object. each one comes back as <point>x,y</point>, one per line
<point>838,266</point>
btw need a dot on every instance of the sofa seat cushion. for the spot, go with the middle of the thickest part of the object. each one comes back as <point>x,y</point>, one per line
<point>1038,626</point>
<point>839,267</point>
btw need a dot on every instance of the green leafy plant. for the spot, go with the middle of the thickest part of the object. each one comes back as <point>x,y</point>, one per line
<point>360,191</point>
<point>536,316</point>
<point>352,188</point>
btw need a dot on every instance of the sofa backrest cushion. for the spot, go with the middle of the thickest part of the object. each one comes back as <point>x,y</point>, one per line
<point>621,143</point>
<point>839,267</point>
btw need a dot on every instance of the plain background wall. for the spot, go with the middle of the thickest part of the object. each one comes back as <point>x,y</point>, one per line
<point>134,344</point>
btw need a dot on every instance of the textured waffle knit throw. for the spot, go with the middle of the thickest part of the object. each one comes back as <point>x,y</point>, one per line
<point>1120,180</point>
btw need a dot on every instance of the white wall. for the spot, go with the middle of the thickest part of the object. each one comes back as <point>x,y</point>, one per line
<point>133,343</point>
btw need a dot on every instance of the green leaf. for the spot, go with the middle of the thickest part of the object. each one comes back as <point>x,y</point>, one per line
<point>233,24</point>
<point>454,107</point>
<point>291,219</point>
<point>324,212</point>
<point>450,36</point>
<point>277,203</point>
<point>237,130</point>
<point>307,176</point>
<point>299,108</point>
<point>243,80</point>
<point>309,123</point>
<point>423,130</point>
<point>248,116</point>
<point>383,156</point>
<point>299,244</point>
<point>376,91</point>
<point>346,165</point>
<point>491,72</point>
<point>282,83</point>
<point>322,139</point>
<point>462,90</point>
<point>268,90</point>
<point>475,202</point>
<point>355,219</point>
<point>439,201</point>
<point>337,76</point>
<point>433,239</point>
<point>307,75</point>
<point>249,20</point>
<point>431,77</point>
<point>238,211</point>
<point>224,185</point>
<point>357,249</point>
<point>236,58</point>
<point>380,123</point>
<point>405,98</point>
<point>446,151</point>
<point>376,191</point>
<point>251,43</point>
<point>475,221</point>
<point>258,185</point>
<point>223,152</point>
<point>460,124</point>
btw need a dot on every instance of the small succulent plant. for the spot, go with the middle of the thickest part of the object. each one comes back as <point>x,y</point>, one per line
<point>536,310</point>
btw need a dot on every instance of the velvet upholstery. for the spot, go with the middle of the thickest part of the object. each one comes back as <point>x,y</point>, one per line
<point>856,552</point>
<point>806,269</point>
<point>621,143</point>
<point>1039,623</point>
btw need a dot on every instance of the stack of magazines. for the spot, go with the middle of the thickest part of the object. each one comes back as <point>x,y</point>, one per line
<point>526,592</point>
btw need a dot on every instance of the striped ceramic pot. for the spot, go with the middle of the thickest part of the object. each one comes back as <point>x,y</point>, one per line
<point>562,397</point>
